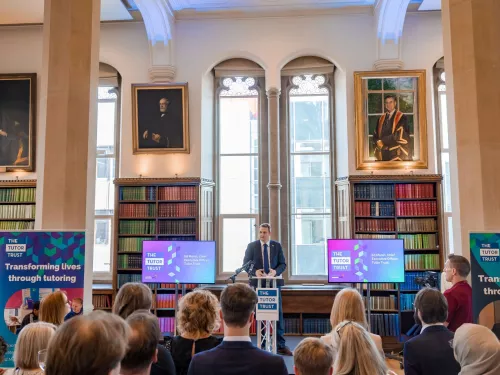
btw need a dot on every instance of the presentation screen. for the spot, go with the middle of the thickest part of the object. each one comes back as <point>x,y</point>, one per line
<point>366,261</point>
<point>184,262</point>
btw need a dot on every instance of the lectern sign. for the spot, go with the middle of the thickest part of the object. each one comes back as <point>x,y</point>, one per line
<point>267,304</point>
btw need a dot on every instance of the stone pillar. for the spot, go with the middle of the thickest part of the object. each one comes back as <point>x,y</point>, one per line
<point>68,114</point>
<point>274,185</point>
<point>474,64</point>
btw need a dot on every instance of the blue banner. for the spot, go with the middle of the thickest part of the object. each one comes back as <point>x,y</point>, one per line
<point>34,264</point>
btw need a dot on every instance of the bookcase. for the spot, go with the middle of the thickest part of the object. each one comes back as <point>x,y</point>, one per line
<point>102,298</point>
<point>17,205</point>
<point>401,206</point>
<point>175,209</point>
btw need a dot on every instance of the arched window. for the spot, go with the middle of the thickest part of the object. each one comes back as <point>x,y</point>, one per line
<point>108,109</point>
<point>443,150</point>
<point>307,114</point>
<point>239,102</point>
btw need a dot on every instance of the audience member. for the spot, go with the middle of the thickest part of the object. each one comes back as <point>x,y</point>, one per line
<point>348,305</point>
<point>477,350</point>
<point>92,344</point>
<point>54,308</point>
<point>459,296</point>
<point>76,308</point>
<point>3,350</point>
<point>142,343</point>
<point>313,357</point>
<point>32,317</point>
<point>357,353</point>
<point>198,316</point>
<point>137,296</point>
<point>237,354</point>
<point>430,353</point>
<point>31,340</point>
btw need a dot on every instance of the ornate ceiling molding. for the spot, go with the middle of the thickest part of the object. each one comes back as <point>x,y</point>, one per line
<point>390,19</point>
<point>158,19</point>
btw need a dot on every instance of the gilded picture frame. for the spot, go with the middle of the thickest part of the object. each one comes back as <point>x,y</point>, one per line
<point>160,118</point>
<point>18,122</point>
<point>391,120</point>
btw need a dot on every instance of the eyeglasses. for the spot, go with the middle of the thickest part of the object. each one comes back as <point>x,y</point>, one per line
<point>342,325</point>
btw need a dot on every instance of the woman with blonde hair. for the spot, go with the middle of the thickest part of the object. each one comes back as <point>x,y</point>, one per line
<point>198,317</point>
<point>348,305</point>
<point>477,350</point>
<point>357,353</point>
<point>54,307</point>
<point>137,296</point>
<point>32,338</point>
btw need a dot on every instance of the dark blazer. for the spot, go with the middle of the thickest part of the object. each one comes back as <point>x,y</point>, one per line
<point>430,353</point>
<point>254,253</point>
<point>237,357</point>
<point>165,364</point>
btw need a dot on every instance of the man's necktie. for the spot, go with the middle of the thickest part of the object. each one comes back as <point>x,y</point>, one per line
<point>266,259</point>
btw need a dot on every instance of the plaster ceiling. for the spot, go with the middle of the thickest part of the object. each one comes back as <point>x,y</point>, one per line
<point>31,11</point>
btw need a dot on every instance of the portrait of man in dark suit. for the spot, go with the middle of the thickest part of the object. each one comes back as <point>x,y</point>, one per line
<point>160,114</point>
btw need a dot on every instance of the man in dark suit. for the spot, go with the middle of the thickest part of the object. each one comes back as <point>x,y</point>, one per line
<point>431,352</point>
<point>269,259</point>
<point>237,354</point>
<point>163,130</point>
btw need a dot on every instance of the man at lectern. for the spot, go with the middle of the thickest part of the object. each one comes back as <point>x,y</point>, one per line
<point>268,258</point>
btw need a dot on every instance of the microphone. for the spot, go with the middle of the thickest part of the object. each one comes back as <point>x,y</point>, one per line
<point>245,266</point>
<point>242,268</point>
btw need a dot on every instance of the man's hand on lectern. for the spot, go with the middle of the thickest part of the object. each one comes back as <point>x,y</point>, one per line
<point>260,273</point>
<point>272,273</point>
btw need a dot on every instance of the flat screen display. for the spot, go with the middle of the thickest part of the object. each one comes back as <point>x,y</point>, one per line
<point>184,262</point>
<point>366,261</point>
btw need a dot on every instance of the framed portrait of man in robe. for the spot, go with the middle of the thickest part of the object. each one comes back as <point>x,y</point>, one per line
<point>17,122</point>
<point>391,127</point>
<point>160,118</point>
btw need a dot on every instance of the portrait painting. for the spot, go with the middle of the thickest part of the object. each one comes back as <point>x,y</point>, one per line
<point>391,129</point>
<point>160,118</point>
<point>17,122</point>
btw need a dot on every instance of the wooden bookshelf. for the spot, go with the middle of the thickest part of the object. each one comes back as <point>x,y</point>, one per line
<point>17,205</point>
<point>102,298</point>
<point>383,207</point>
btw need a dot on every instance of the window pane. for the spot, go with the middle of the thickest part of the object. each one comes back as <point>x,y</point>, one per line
<point>104,188</point>
<point>236,235</point>
<point>310,184</point>
<point>445,170</point>
<point>106,128</point>
<point>450,235</point>
<point>239,186</point>
<point>102,245</point>
<point>310,233</point>
<point>443,117</point>
<point>309,123</point>
<point>239,130</point>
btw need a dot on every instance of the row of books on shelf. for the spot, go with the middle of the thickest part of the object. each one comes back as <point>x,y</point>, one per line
<point>16,211</point>
<point>132,244</point>
<point>17,195</point>
<point>416,225</point>
<point>128,278</point>
<point>379,191</point>
<point>381,302</point>
<point>166,301</point>
<point>380,286</point>
<point>17,225</point>
<point>167,325</point>
<point>384,324</point>
<point>411,283</point>
<point>164,227</point>
<point>138,193</point>
<point>177,210</point>
<point>316,326</point>
<point>137,210</point>
<point>172,286</point>
<point>178,227</point>
<point>421,261</point>
<point>419,208</point>
<point>419,241</point>
<point>101,301</point>
<point>176,193</point>
<point>418,191</point>
<point>129,261</point>
<point>292,326</point>
<point>138,227</point>
<point>374,225</point>
<point>374,236</point>
<point>406,301</point>
<point>374,208</point>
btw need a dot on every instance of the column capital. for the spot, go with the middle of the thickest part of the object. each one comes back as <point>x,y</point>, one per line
<point>273,92</point>
<point>388,64</point>
<point>158,74</point>
<point>274,185</point>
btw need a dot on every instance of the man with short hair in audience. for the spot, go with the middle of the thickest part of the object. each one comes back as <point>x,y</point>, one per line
<point>430,353</point>
<point>144,336</point>
<point>313,357</point>
<point>459,296</point>
<point>32,317</point>
<point>237,354</point>
<point>76,308</point>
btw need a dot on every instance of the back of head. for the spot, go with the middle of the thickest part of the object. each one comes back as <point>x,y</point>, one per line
<point>348,305</point>
<point>432,306</point>
<point>88,344</point>
<point>3,348</point>
<point>198,313</point>
<point>53,308</point>
<point>313,357</point>
<point>36,305</point>
<point>143,340</point>
<point>357,353</point>
<point>237,303</point>
<point>132,297</point>
<point>460,263</point>
<point>477,350</point>
<point>32,338</point>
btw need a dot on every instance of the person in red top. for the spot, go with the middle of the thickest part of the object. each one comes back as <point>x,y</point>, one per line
<point>459,296</point>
